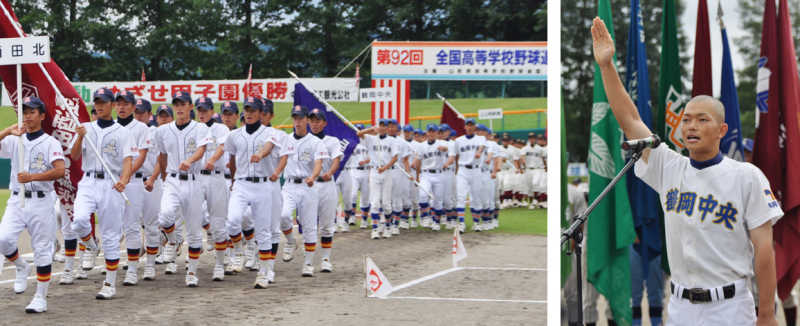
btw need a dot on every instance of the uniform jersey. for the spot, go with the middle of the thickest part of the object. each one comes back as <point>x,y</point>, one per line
<point>179,145</point>
<point>243,145</point>
<point>302,154</point>
<point>152,154</point>
<point>533,156</point>
<point>39,156</point>
<point>334,149</point>
<point>380,150</point>
<point>708,212</point>
<point>401,147</point>
<point>430,156</point>
<point>496,150</point>
<point>219,134</point>
<point>411,148</point>
<point>277,137</point>
<point>465,147</point>
<point>114,143</point>
<point>141,135</point>
<point>359,154</point>
<point>512,154</point>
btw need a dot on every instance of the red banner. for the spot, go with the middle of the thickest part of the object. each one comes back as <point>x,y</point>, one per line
<point>451,118</point>
<point>701,80</point>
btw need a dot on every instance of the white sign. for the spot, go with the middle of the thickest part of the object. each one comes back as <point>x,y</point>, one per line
<point>459,60</point>
<point>277,90</point>
<point>577,170</point>
<point>377,94</point>
<point>490,114</point>
<point>19,50</point>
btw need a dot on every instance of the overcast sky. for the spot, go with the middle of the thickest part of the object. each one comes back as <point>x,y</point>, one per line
<point>731,19</point>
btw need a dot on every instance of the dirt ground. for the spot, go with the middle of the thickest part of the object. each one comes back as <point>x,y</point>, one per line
<point>336,298</point>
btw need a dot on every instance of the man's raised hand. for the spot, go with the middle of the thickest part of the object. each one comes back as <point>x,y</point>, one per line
<point>602,42</point>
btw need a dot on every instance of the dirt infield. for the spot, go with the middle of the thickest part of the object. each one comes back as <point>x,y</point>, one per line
<point>510,294</point>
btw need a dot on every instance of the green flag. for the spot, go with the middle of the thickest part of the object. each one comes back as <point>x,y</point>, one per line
<point>566,261</point>
<point>610,225</point>
<point>670,98</point>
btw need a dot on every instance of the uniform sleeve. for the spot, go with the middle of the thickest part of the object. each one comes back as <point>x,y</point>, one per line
<point>652,172</point>
<point>129,147</point>
<point>204,136</point>
<point>56,153</point>
<point>144,141</point>
<point>762,206</point>
<point>287,149</point>
<point>7,146</point>
<point>337,150</point>
<point>229,140</point>
<point>320,151</point>
<point>159,140</point>
<point>223,135</point>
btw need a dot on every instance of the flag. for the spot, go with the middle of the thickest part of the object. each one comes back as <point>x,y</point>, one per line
<point>335,127</point>
<point>645,203</point>
<point>377,283</point>
<point>731,144</point>
<point>57,121</point>
<point>701,77</point>
<point>459,252</point>
<point>451,118</point>
<point>787,230</point>
<point>396,108</point>
<point>610,227</point>
<point>768,138</point>
<point>358,75</point>
<point>670,89</point>
<point>566,260</point>
<point>143,78</point>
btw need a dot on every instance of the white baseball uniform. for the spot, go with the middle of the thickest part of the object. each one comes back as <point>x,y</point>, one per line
<point>488,184</point>
<point>709,208</point>
<point>344,186</point>
<point>328,198</point>
<point>469,175</point>
<point>360,178</point>
<point>132,217</point>
<point>150,211</point>
<point>432,160</point>
<point>399,179</point>
<point>381,151</point>
<point>410,190</point>
<point>449,178</point>
<point>214,184</point>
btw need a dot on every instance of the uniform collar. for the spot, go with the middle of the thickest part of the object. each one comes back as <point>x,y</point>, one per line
<point>181,127</point>
<point>105,123</point>
<point>33,135</point>
<point>210,122</point>
<point>124,122</point>
<point>383,136</point>
<point>430,142</point>
<point>469,137</point>
<point>250,128</point>
<point>320,135</point>
<point>704,164</point>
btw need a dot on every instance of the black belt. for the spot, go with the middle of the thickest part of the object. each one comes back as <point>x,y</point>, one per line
<point>470,166</point>
<point>255,180</point>
<point>295,180</point>
<point>138,175</point>
<point>227,175</point>
<point>144,179</point>
<point>209,172</point>
<point>358,168</point>
<point>29,194</point>
<point>183,177</point>
<point>320,179</point>
<point>96,175</point>
<point>534,168</point>
<point>432,171</point>
<point>698,295</point>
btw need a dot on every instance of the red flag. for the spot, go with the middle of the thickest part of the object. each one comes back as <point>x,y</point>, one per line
<point>787,231</point>
<point>358,75</point>
<point>450,117</point>
<point>58,122</point>
<point>701,81</point>
<point>143,78</point>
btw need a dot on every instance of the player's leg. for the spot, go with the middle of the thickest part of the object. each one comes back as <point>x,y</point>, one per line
<point>375,189</point>
<point>110,207</point>
<point>131,224</point>
<point>437,188</point>
<point>487,196</point>
<point>346,189</point>
<point>291,194</point>
<point>41,226</point>
<point>70,248</point>
<point>406,203</point>
<point>463,189</point>
<point>168,216</point>
<point>328,198</point>
<point>362,185</point>
<point>414,194</point>
<point>275,221</point>
<point>387,200</point>
<point>217,199</point>
<point>85,205</point>
<point>152,236</point>
<point>397,177</point>
<point>307,212</point>
<point>543,188</point>
<point>236,208</point>
<point>475,198</point>
<point>249,241</point>
<point>655,290</point>
<point>262,215</point>
<point>192,192</point>
<point>425,201</point>
<point>11,226</point>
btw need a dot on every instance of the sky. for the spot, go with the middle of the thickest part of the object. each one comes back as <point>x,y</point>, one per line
<point>730,17</point>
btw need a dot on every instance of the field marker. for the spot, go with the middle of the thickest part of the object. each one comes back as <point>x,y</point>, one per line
<point>448,271</point>
<point>463,299</point>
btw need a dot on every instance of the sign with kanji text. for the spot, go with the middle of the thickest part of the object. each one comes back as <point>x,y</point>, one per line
<point>21,50</point>
<point>377,94</point>
<point>490,114</point>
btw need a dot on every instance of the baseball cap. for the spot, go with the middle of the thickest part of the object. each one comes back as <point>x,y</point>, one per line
<point>217,117</point>
<point>267,105</point>
<point>470,120</point>
<point>241,116</point>
<point>576,180</point>
<point>748,144</point>
<point>482,127</point>
<point>542,137</point>
<point>103,94</point>
<point>530,135</point>
<point>204,102</point>
<point>421,132</point>
<point>300,110</point>
<point>444,127</point>
<point>33,102</point>
<point>392,121</point>
<point>165,108</point>
<point>383,121</point>
<point>319,113</point>
<point>494,135</point>
<point>408,128</point>
<point>125,95</point>
<point>417,131</point>
<point>453,133</point>
<point>192,115</point>
<point>144,105</point>
<point>182,96</point>
<point>359,126</point>
<point>93,111</point>
<point>253,102</point>
<point>432,127</point>
<point>231,107</point>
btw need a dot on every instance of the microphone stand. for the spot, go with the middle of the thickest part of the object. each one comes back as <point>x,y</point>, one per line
<point>575,232</point>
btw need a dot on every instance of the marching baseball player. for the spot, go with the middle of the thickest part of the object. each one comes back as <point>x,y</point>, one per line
<point>410,190</point>
<point>301,157</point>
<point>496,166</point>
<point>358,166</point>
<point>510,171</point>
<point>399,179</point>
<point>449,176</point>
<point>534,167</point>
<point>152,194</point>
<point>43,163</point>
<point>467,150</point>
<point>182,144</point>
<point>328,198</point>
<point>416,220</point>
<point>429,158</point>
<point>272,156</point>
<point>117,148</point>
<point>718,213</point>
<point>132,217</point>
<point>382,156</point>
<point>249,186</point>
<point>490,164</point>
<point>541,182</point>
<point>344,186</point>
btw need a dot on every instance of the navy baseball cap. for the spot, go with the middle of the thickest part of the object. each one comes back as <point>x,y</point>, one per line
<point>93,111</point>
<point>204,102</point>
<point>300,110</point>
<point>267,105</point>
<point>192,115</point>
<point>392,121</point>
<point>144,105</point>
<point>231,107</point>
<point>408,128</point>
<point>359,126</point>
<point>470,120</point>
<point>241,116</point>
<point>165,108</point>
<point>444,127</point>
<point>253,102</point>
<point>182,96</point>
<point>531,135</point>
<point>453,133</point>
<point>33,102</point>
<point>319,113</point>
<point>103,94</point>
<point>576,180</point>
<point>432,127</point>
<point>217,117</point>
<point>748,144</point>
<point>125,95</point>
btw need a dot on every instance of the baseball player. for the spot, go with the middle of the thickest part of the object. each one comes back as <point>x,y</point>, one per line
<point>534,167</point>
<point>182,144</point>
<point>344,186</point>
<point>410,190</point>
<point>490,164</point>
<point>132,217</point>
<point>249,186</point>
<point>429,158</point>
<point>510,171</point>
<point>399,179</point>
<point>358,166</point>
<point>718,213</point>
<point>416,221</point>
<point>152,194</point>
<point>382,156</point>
<point>302,157</point>
<point>328,198</point>
<point>117,148</point>
<point>43,163</point>
<point>498,165</point>
<point>541,181</point>
<point>467,150</point>
<point>449,176</point>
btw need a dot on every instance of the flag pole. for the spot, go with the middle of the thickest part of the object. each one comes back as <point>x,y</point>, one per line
<point>366,278</point>
<point>460,116</point>
<point>19,125</point>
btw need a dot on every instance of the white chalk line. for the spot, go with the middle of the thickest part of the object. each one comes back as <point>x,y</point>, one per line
<point>448,271</point>
<point>462,299</point>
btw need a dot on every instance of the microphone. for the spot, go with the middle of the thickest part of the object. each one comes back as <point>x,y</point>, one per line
<point>640,144</point>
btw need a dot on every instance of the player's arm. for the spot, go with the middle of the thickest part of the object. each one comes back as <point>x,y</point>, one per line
<point>77,145</point>
<point>12,130</point>
<point>364,162</point>
<point>57,172</point>
<point>137,164</point>
<point>315,173</point>
<point>162,165</point>
<point>265,150</point>
<point>621,104</point>
<point>201,151</point>
<point>417,166</point>
<point>369,130</point>
<point>765,272</point>
<point>387,166</point>
<point>406,165</point>
<point>489,156</point>
<point>278,170</point>
<point>151,180</point>
<point>334,167</point>
<point>214,158</point>
<point>232,167</point>
<point>127,163</point>
<point>478,152</point>
<point>450,160</point>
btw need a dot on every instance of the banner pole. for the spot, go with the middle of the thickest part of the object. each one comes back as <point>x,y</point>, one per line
<point>460,116</point>
<point>19,125</point>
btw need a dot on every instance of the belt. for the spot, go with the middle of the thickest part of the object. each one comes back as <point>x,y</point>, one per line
<point>320,179</point>
<point>698,295</point>
<point>470,166</point>
<point>182,177</point>
<point>357,168</point>
<point>534,168</point>
<point>294,180</point>
<point>96,175</point>
<point>209,172</point>
<point>227,175</point>
<point>29,194</point>
<point>255,179</point>
<point>484,170</point>
<point>144,179</point>
<point>433,171</point>
<point>138,175</point>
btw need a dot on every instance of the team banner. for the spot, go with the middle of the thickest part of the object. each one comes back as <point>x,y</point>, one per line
<point>277,90</point>
<point>459,60</point>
